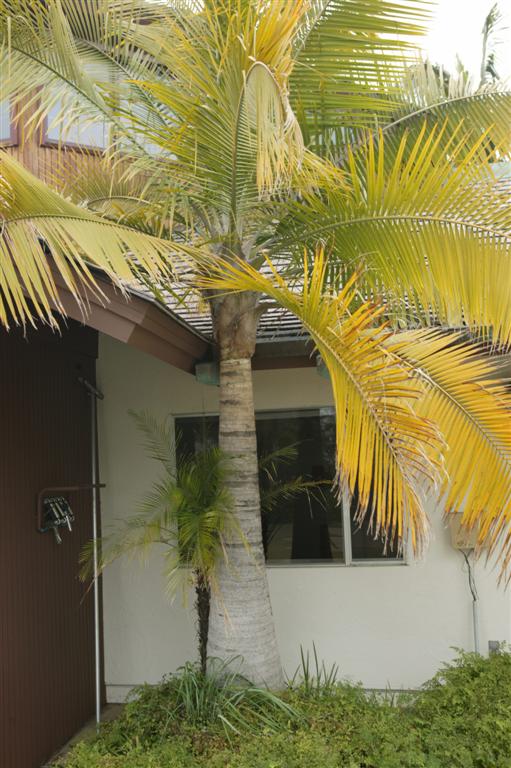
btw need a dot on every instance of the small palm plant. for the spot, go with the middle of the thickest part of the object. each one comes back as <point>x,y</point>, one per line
<point>190,511</point>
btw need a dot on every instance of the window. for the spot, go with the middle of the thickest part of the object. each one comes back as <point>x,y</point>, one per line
<point>7,131</point>
<point>74,130</point>
<point>306,529</point>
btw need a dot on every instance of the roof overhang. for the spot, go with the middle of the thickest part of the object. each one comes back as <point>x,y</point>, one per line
<point>149,327</point>
<point>136,322</point>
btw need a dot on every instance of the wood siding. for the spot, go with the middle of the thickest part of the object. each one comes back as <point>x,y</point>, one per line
<point>46,613</point>
<point>44,161</point>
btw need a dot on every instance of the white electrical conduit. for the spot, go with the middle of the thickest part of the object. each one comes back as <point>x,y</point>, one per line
<point>95,394</point>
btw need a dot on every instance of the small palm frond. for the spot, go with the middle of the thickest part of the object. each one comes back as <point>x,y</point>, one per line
<point>492,40</point>
<point>384,450</point>
<point>471,404</point>
<point>36,222</point>
<point>160,440</point>
<point>346,55</point>
<point>274,495</point>
<point>286,454</point>
<point>431,233</point>
<point>188,511</point>
<point>429,96</point>
<point>274,490</point>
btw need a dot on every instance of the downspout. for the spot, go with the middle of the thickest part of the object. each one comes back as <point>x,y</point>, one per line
<point>95,394</point>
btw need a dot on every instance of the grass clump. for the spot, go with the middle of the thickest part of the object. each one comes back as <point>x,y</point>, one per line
<point>460,719</point>
<point>222,703</point>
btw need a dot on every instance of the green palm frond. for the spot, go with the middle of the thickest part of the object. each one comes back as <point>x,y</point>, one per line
<point>346,54</point>
<point>433,237</point>
<point>429,96</point>
<point>274,490</point>
<point>160,441</point>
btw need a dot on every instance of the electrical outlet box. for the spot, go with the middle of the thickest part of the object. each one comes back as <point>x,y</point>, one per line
<point>208,373</point>
<point>461,537</point>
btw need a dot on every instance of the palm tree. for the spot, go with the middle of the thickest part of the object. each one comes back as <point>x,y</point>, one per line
<point>273,152</point>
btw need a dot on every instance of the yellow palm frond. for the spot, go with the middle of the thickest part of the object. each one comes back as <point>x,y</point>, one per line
<point>471,404</point>
<point>384,450</point>
<point>36,222</point>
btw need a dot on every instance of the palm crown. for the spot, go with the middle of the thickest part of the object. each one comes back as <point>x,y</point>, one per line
<point>247,133</point>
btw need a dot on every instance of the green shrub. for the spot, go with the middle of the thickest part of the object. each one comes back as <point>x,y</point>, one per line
<point>460,719</point>
<point>171,754</point>
<point>191,701</point>
<point>464,713</point>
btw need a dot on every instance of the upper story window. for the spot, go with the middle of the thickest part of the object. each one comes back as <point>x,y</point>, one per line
<point>302,529</point>
<point>7,129</point>
<point>80,131</point>
<point>64,125</point>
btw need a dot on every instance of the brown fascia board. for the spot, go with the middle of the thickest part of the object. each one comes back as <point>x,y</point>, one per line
<point>136,322</point>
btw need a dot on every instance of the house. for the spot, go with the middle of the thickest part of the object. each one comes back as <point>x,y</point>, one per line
<point>386,620</point>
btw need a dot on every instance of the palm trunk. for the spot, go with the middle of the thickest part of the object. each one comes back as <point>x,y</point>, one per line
<point>202,603</point>
<point>241,620</point>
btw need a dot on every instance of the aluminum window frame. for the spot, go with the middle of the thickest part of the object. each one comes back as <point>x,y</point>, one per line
<point>349,561</point>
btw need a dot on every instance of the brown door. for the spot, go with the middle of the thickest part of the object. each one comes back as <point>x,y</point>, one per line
<point>46,613</point>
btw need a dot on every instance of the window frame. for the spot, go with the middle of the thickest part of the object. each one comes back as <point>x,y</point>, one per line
<point>73,146</point>
<point>349,561</point>
<point>13,139</point>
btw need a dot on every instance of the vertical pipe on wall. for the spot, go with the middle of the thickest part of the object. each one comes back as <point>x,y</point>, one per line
<point>475,598</point>
<point>95,491</point>
<point>94,395</point>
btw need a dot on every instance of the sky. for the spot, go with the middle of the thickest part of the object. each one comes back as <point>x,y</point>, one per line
<point>456,29</point>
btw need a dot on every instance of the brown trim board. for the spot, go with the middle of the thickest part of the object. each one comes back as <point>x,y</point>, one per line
<point>145,326</point>
<point>138,323</point>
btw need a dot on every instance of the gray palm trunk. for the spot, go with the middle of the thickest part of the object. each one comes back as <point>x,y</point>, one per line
<point>241,620</point>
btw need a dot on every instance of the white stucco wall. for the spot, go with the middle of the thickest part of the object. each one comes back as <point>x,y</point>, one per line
<point>385,625</point>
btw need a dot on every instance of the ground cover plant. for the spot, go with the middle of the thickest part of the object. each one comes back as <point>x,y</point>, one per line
<point>460,719</point>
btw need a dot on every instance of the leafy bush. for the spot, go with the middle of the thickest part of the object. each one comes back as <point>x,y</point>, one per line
<point>221,700</point>
<point>464,713</point>
<point>460,719</point>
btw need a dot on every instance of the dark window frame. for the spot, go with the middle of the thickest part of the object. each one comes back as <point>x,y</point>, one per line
<point>348,559</point>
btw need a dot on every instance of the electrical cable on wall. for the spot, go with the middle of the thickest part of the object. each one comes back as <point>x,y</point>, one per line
<point>475,598</point>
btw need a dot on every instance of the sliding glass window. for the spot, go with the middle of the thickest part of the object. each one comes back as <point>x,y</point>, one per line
<point>308,527</point>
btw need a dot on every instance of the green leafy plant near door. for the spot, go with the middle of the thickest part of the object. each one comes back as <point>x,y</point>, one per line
<point>189,511</point>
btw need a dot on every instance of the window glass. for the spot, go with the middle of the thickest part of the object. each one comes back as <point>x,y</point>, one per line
<point>365,547</point>
<point>75,129</point>
<point>304,527</point>
<point>5,121</point>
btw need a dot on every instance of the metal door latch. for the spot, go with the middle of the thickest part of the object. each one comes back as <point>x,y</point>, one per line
<point>57,513</point>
